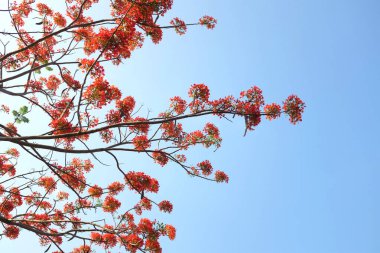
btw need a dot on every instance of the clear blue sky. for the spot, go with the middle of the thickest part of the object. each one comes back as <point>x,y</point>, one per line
<point>309,188</point>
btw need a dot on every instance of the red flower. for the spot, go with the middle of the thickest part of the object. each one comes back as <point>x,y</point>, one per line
<point>220,177</point>
<point>153,246</point>
<point>146,226</point>
<point>110,204</point>
<point>178,104</point>
<point>96,71</point>
<point>113,117</point>
<point>179,26</point>
<point>53,82</point>
<point>115,188</point>
<point>140,127</point>
<point>170,231</point>
<point>6,207</point>
<point>200,92</point>
<point>101,93</point>
<point>160,158</point>
<point>294,107</point>
<point>59,20</point>
<point>145,204</point>
<point>44,9</point>
<point>205,167</point>
<point>171,129</point>
<point>106,135</point>
<point>208,21</point>
<point>195,137</point>
<point>272,111</point>
<point>96,237</point>
<point>132,242</point>
<point>165,206</point>
<point>109,240</point>
<point>141,142</point>
<point>48,183</point>
<point>254,95</point>
<point>126,106</point>
<point>141,182</point>
<point>212,130</point>
<point>11,232</point>
<point>213,137</point>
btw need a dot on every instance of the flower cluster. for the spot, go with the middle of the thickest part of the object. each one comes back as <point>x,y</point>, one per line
<point>95,191</point>
<point>111,204</point>
<point>101,93</point>
<point>48,183</point>
<point>165,206</point>
<point>220,176</point>
<point>178,105</point>
<point>199,92</point>
<point>205,167</point>
<point>208,21</point>
<point>11,232</point>
<point>115,188</point>
<point>141,142</point>
<point>140,182</point>
<point>272,111</point>
<point>179,26</point>
<point>294,107</point>
<point>160,157</point>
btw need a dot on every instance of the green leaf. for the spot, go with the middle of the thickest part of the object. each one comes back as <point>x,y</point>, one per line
<point>23,110</point>
<point>15,113</point>
<point>24,119</point>
<point>49,68</point>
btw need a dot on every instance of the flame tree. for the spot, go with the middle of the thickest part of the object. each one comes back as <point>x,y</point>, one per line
<point>52,64</point>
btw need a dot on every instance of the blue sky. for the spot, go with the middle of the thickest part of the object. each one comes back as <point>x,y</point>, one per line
<point>310,188</point>
<point>306,188</point>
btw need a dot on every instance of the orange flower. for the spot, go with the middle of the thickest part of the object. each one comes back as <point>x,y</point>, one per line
<point>141,142</point>
<point>115,188</point>
<point>170,231</point>
<point>110,204</point>
<point>95,191</point>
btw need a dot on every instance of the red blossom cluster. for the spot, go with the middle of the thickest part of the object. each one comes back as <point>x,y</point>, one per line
<point>178,104</point>
<point>208,21</point>
<point>6,166</point>
<point>95,191</point>
<point>165,206</point>
<point>294,107</point>
<point>179,26</point>
<point>115,188</point>
<point>160,157</point>
<point>141,142</point>
<point>141,182</point>
<point>11,232</point>
<point>272,111</point>
<point>101,93</point>
<point>110,204</point>
<point>48,183</point>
